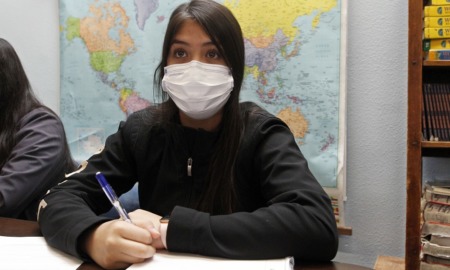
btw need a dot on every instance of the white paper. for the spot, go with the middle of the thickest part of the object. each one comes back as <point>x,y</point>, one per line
<point>19,253</point>
<point>164,260</point>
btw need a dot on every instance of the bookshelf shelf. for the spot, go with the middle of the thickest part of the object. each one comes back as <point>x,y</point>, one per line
<point>436,63</point>
<point>419,72</point>
<point>435,144</point>
<point>435,149</point>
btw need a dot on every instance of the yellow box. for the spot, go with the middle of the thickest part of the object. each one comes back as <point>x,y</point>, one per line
<point>436,22</point>
<point>439,2</point>
<point>436,11</point>
<point>434,33</point>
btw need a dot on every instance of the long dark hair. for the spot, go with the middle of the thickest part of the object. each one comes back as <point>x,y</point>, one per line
<point>16,99</point>
<point>219,23</point>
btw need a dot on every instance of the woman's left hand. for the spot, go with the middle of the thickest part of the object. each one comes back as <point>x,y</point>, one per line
<point>149,221</point>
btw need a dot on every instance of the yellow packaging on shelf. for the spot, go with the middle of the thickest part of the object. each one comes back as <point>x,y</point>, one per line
<point>436,44</point>
<point>436,21</point>
<point>439,2</point>
<point>436,11</point>
<point>436,32</point>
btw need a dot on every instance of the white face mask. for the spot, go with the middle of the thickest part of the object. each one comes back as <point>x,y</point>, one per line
<point>199,90</point>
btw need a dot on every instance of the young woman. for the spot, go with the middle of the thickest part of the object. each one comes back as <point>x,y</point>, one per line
<point>33,150</point>
<point>229,176</point>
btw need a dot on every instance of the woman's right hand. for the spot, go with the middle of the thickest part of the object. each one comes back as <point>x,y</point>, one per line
<point>117,244</point>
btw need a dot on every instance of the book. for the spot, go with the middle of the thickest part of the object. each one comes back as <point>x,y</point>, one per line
<point>430,197</point>
<point>434,256</point>
<point>434,114</point>
<point>428,130</point>
<point>436,111</point>
<point>435,231</point>
<point>430,228</point>
<point>445,99</point>
<point>441,91</point>
<point>436,11</point>
<point>436,260</point>
<point>436,33</point>
<point>441,240</point>
<point>435,250</point>
<point>436,193</point>
<point>432,266</point>
<point>430,112</point>
<point>436,212</point>
<point>436,44</point>
<point>425,131</point>
<point>439,2</point>
<point>434,263</point>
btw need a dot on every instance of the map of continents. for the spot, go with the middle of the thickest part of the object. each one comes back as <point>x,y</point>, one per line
<point>110,49</point>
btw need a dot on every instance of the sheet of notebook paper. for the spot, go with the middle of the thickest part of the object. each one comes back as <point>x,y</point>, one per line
<point>18,253</point>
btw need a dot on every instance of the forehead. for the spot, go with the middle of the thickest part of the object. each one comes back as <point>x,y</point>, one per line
<point>190,31</point>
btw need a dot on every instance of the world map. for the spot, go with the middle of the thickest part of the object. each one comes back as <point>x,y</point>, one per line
<point>110,49</point>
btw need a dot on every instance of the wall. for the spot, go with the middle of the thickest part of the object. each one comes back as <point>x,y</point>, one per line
<point>376,130</point>
<point>376,111</point>
<point>32,27</point>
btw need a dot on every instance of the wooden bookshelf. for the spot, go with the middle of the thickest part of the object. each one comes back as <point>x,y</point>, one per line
<point>419,72</point>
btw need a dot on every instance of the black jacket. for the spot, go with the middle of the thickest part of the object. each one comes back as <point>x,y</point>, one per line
<point>36,163</point>
<point>282,210</point>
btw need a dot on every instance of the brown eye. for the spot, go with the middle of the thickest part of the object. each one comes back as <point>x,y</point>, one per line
<point>213,54</point>
<point>179,53</point>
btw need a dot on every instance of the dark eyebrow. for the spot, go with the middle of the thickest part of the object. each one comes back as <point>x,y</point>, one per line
<point>176,41</point>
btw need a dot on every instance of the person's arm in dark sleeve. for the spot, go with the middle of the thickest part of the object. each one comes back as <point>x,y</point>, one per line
<point>35,164</point>
<point>297,219</point>
<point>73,207</point>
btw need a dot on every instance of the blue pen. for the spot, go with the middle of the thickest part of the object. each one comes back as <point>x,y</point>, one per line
<point>112,196</point>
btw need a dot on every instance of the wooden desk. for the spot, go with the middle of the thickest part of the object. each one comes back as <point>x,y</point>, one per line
<point>16,227</point>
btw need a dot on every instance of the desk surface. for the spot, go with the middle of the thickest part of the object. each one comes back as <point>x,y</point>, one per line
<point>16,227</point>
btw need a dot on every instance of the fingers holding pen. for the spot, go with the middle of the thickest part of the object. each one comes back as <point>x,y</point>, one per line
<point>137,245</point>
<point>136,234</point>
<point>147,220</point>
<point>150,222</point>
<point>116,243</point>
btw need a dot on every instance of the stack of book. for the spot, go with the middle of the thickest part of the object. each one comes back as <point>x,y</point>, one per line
<point>436,112</point>
<point>436,31</point>
<point>435,253</point>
